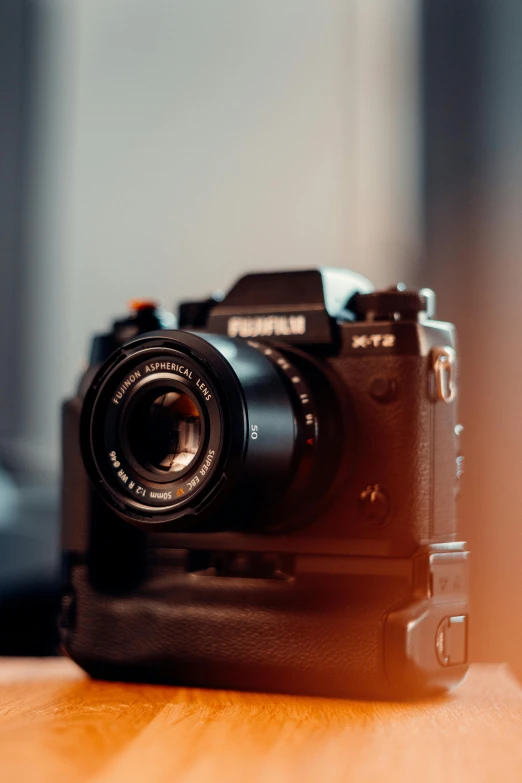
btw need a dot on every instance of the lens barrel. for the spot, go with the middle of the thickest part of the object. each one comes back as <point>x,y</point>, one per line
<point>186,431</point>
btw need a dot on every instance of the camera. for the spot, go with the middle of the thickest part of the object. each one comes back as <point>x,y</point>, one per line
<point>264,497</point>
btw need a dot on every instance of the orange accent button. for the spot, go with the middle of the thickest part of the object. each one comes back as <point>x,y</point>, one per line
<point>137,305</point>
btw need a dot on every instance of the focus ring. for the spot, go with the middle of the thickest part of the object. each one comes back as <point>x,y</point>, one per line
<point>306,408</point>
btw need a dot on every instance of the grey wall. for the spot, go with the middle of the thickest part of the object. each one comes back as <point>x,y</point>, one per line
<point>178,144</point>
<point>15,45</point>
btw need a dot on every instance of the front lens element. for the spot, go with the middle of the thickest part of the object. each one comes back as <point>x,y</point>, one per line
<point>164,431</point>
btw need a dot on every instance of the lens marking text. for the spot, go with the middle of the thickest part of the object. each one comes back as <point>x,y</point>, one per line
<point>127,383</point>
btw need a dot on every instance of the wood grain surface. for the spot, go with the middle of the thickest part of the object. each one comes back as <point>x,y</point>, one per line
<point>57,725</point>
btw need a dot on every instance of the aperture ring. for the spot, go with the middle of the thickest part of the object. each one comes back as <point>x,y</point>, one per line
<point>304,400</point>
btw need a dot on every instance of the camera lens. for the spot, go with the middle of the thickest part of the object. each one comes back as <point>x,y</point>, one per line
<point>189,431</point>
<point>163,431</point>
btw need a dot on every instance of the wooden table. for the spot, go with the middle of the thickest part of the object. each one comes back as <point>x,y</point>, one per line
<point>57,725</point>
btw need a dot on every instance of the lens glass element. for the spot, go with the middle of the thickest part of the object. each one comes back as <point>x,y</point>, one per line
<point>164,431</point>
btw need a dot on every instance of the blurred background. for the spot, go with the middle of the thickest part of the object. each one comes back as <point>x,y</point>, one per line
<point>161,148</point>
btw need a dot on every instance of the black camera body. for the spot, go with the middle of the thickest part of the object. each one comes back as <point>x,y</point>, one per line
<point>264,498</point>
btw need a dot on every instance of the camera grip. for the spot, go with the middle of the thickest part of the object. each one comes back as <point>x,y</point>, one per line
<point>318,634</point>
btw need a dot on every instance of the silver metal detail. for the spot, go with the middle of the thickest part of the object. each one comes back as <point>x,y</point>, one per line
<point>444,362</point>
